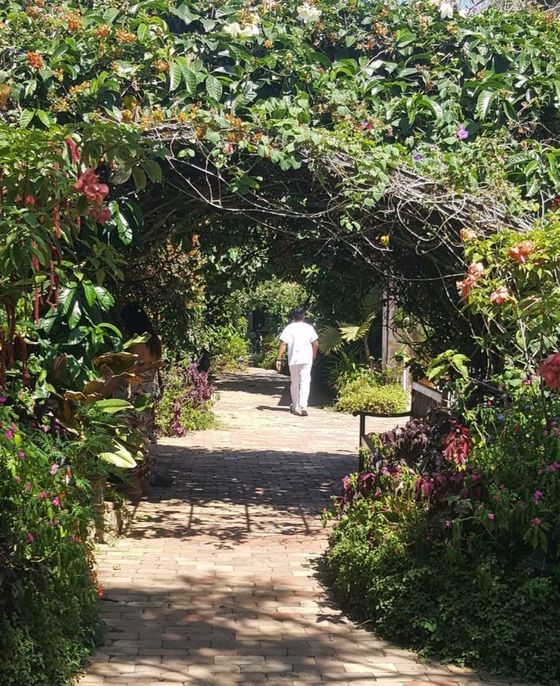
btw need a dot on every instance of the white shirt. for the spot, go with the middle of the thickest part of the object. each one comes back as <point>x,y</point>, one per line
<point>299,336</point>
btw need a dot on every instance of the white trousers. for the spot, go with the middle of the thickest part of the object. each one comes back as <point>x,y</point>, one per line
<point>300,375</point>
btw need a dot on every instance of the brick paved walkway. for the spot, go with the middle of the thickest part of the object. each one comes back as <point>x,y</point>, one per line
<point>219,580</point>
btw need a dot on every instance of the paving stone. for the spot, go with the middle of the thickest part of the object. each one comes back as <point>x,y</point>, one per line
<point>219,579</point>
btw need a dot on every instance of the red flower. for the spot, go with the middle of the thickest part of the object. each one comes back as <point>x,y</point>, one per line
<point>73,148</point>
<point>520,252</point>
<point>102,215</point>
<point>458,444</point>
<point>89,185</point>
<point>550,371</point>
<point>499,296</point>
<point>466,286</point>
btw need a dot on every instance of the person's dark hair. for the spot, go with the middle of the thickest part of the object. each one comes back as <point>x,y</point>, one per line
<point>136,322</point>
<point>298,314</point>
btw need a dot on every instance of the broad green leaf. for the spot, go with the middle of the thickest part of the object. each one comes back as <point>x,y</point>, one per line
<point>214,87</point>
<point>174,75</point>
<point>112,405</point>
<point>104,298</point>
<point>153,170</point>
<point>485,100</point>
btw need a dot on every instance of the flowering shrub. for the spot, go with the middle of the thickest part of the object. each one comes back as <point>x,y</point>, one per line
<point>48,591</point>
<point>186,404</point>
<point>450,540</point>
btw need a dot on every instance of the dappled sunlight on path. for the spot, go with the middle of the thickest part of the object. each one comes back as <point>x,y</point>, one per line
<point>220,578</point>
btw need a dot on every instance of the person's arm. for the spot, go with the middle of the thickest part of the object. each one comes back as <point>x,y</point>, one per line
<point>281,352</point>
<point>315,346</point>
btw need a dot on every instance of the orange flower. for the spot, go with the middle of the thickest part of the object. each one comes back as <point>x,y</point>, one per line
<point>125,36</point>
<point>499,295</point>
<point>466,286</point>
<point>73,22</point>
<point>35,60</point>
<point>520,252</point>
<point>103,31</point>
<point>467,235</point>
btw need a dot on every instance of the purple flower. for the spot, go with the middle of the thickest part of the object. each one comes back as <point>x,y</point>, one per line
<point>417,157</point>
<point>54,469</point>
<point>42,495</point>
<point>56,501</point>
<point>536,521</point>
<point>462,133</point>
<point>538,496</point>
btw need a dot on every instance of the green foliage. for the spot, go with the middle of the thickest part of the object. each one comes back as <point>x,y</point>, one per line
<point>365,392</point>
<point>277,299</point>
<point>450,543</point>
<point>48,591</point>
<point>229,351</point>
<point>186,403</point>
<point>267,355</point>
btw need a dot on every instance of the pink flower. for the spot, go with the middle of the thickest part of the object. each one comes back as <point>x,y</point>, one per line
<point>42,495</point>
<point>462,133</point>
<point>54,469</point>
<point>88,183</point>
<point>3,399</point>
<point>56,501</point>
<point>30,538</point>
<point>17,478</point>
<point>536,521</point>
<point>550,371</point>
<point>538,496</point>
<point>21,455</point>
<point>499,296</point>
<point>476,269</point>
<point>9,434</point>
<point>491,516</point>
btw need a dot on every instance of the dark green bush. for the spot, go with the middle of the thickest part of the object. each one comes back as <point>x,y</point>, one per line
<point>48,590</point>
<point>450,541</point>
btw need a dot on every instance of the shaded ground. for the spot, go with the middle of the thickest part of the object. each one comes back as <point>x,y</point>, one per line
<point>219,579</point>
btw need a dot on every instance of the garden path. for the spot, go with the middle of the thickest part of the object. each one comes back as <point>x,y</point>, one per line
<point>219,580</point>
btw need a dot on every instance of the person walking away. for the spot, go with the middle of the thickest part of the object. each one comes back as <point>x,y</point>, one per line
<point>300,341</point>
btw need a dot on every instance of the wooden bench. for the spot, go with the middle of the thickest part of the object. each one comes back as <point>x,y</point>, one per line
<point>424,398</point>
